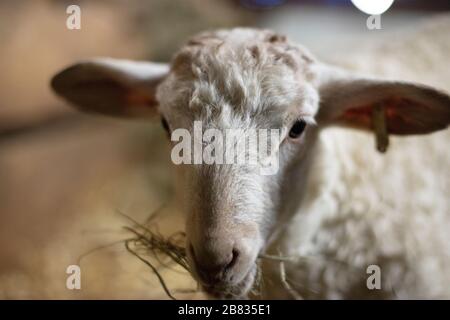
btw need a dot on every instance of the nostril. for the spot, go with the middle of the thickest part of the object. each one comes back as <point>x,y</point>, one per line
<point>212,270</point>
<point>234,258</point>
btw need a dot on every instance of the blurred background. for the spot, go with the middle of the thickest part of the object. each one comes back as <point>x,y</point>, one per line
<point>64,176</point>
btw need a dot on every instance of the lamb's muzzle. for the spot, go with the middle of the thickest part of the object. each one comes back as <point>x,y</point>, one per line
<point>222,259</point>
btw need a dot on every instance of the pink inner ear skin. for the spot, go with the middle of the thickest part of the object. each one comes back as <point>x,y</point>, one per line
<point>360,117</point>
<point>138,103</point>
<point>399,112</point>
<point>139,99</point>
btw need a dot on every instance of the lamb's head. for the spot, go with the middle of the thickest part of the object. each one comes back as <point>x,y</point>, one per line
<point>245,79</point>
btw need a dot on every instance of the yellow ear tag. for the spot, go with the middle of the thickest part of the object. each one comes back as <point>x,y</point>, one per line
<point>380,128</point>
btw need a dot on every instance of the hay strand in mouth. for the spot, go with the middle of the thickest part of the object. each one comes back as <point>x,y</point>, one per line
<point>154,269</point>
<point>147,241</point>
<point>154,242</point>
<point>151,243</point>
<point>157,245</point>
<point>286,284</point>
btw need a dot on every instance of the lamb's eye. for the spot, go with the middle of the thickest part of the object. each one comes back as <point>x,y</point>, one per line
<point>297,129</point>
<point>165,125</point>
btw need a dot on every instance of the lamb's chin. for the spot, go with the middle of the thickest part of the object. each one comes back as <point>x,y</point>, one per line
<point>236,292</point>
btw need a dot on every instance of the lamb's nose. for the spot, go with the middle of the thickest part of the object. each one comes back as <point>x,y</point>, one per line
<point>214,263</point>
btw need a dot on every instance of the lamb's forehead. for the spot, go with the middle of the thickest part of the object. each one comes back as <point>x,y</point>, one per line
<point>248,71</point>
<point>236,36</point>
<point>246,48</point>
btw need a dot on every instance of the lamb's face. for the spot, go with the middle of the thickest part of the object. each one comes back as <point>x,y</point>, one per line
<point>247,80</point>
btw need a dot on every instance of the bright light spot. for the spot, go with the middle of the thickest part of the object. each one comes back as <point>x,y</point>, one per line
<point>373,7</point>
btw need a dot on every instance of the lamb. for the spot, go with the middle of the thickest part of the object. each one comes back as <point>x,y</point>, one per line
<point>335,206</point>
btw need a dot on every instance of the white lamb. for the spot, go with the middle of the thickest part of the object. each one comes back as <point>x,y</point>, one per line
<point>336,205</point>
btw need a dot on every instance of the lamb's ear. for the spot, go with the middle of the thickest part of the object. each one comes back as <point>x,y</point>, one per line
<point>111,86</point>
<point>407,108</point>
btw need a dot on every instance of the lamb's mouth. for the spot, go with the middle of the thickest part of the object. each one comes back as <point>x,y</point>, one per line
<point>235,291</point>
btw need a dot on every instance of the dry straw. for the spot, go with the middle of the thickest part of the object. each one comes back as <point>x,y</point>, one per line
<point>147,242</point>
